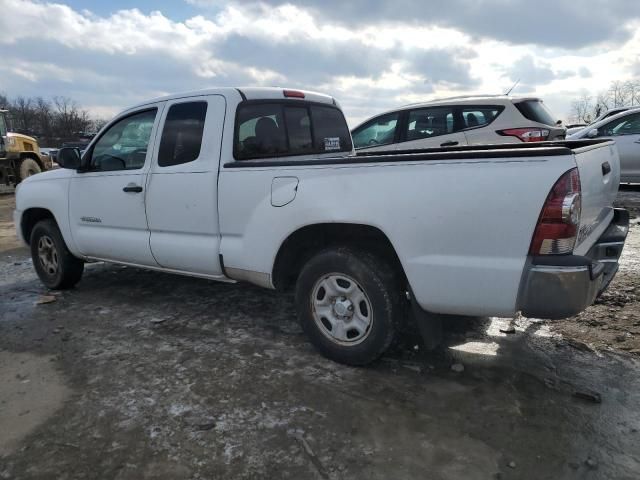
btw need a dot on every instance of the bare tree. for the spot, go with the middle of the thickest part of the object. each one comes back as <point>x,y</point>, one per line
<point>23,114</point>
<point>618,94</point>
<point>632,90</point>
<point>582,109</point>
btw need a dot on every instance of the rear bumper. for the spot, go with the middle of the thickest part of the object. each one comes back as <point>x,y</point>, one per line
<point>561,286</point>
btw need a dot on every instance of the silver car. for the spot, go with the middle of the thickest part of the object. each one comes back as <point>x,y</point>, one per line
<point>624,128</point>
<point>471,120</point>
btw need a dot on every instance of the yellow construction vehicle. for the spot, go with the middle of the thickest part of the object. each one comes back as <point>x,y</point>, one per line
<point>19,154</point>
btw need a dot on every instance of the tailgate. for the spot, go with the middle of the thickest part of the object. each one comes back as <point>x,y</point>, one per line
<point>599,168</point>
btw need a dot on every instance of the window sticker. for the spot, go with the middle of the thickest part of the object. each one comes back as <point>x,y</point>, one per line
<point>332,143</point>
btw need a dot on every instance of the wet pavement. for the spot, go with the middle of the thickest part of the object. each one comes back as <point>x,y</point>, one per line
<point>148,375</point>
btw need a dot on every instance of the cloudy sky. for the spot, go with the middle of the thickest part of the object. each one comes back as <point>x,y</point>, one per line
<point>371,55</point>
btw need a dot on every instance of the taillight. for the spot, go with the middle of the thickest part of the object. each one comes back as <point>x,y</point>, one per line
<point>526,134</point>
<point>293,94</point>
<point>559,220</point>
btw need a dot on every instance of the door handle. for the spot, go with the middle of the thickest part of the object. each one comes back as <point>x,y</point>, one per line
<point>133,188</point>
<point>449,144</point>
<point>606,169</point>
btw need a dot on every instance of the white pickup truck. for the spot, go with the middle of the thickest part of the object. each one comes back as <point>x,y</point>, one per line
<point>263,186</point>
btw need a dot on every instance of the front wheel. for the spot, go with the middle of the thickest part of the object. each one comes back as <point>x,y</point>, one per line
<point>55,265</point>
<point>349,304</point>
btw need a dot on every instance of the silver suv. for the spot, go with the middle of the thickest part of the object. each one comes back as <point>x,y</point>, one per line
<point>458,121</point>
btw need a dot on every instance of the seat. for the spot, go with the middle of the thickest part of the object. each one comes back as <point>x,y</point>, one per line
<point>472,120</point>
<point>269,138</point>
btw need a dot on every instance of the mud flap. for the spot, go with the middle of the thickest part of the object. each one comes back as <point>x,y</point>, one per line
<point>429,324</point>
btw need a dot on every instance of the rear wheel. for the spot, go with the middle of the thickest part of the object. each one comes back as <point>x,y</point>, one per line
<point>348,304</point>
<point>29,167</point>
<point>54,263</point>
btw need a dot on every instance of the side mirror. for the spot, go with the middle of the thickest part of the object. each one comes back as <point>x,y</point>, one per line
<point>68,157</point>
<point>559,122</point>
<point>593,133</point>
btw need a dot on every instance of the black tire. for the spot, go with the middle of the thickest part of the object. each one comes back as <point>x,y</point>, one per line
<point>47,240</point>
<point>375,278</point>
<point>29,167</point>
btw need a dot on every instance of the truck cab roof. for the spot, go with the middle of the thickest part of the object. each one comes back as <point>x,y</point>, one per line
<point>248,93</point>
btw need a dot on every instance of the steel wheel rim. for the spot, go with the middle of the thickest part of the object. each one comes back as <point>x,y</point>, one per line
<point>341,309</point>
<point>48,255</point>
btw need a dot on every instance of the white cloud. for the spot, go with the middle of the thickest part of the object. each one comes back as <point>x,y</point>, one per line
<point>108,62</point>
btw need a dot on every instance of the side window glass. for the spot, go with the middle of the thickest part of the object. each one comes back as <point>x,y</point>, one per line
<point>429,122</point>
<point>629,125</point>
<point>182,134</point>
<point>379,131</point>
<point>260,131</point>
<point>474,116</point>
<point>299,130</point>
<point>124,145</point>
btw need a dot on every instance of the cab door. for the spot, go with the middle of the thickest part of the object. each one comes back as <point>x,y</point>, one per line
<point>431,127</point>
<point>182,188</point>
<point>107,197</point>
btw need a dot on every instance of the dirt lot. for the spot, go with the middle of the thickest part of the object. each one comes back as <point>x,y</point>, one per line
<point>135,374</point>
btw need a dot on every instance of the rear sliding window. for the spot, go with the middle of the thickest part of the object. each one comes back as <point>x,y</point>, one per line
<point>275,129</point>
<point>535,111</point>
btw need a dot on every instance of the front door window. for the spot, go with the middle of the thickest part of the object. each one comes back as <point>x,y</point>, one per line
<point>124,145</point>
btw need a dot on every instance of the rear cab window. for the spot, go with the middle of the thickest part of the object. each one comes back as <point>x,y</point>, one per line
<point>267,129</point>
<point>536,111</point>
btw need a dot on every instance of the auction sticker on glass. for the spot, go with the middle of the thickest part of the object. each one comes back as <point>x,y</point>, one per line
<point>332,143</point>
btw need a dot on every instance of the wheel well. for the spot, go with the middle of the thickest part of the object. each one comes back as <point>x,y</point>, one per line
<point>30,217</point>
<point>32,156</point>
<point>302,244</point>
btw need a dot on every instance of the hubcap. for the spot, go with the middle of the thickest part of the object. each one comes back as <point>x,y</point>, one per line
<point>48,255</point>
<point>341,309</point>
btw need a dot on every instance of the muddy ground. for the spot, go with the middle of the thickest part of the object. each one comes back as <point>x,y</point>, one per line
<point>137,374</point>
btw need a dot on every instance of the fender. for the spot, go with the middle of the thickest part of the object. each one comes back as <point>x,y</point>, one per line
<point>48,191</point>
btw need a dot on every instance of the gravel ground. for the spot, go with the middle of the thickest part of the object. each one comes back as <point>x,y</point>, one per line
<point>137,374</point>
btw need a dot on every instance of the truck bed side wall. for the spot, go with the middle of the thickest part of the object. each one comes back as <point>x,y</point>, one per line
<point>461,228</point>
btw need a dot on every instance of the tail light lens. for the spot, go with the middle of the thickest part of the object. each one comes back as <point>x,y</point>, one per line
<point>526,134</point>
<point>559,220</point>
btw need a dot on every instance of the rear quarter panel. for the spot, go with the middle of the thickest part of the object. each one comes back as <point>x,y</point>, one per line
<point>461,228</point>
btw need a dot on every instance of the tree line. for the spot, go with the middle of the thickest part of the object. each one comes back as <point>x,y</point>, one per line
<point>52,122</point>
<point>619,94</point>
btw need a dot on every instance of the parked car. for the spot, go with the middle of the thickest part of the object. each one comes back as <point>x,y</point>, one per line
<point>261,185</point>
<point>475,120</point>
<point>571,129</point>
<point>624,128</point>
